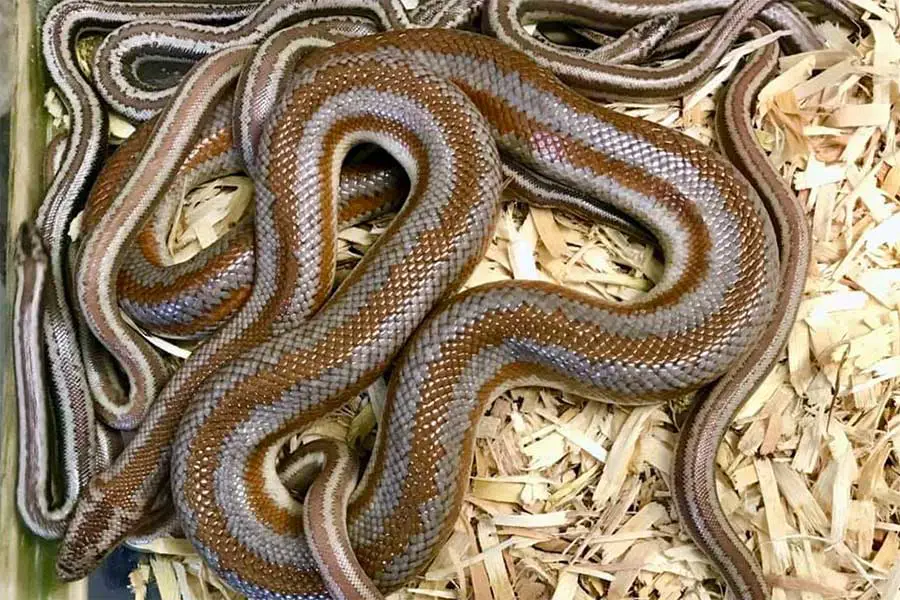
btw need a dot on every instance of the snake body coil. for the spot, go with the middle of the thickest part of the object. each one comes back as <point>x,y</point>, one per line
<point>461,114</point>
<point>706,311</point>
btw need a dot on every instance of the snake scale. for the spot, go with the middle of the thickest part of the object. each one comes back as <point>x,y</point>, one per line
<point>287,90</point>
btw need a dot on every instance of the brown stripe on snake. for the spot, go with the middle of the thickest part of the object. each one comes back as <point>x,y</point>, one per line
<point>708,308</point>
<point>702,432</point>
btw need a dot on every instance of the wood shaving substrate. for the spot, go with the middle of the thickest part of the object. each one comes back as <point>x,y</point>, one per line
<point>569,499</point>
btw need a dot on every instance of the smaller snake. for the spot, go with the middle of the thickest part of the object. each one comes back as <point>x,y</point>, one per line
<point>120,54</point>
<point>33,485</point>
<point>505,20</point>
<point>702,432</point>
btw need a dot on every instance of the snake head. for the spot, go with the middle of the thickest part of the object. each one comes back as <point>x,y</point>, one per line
<point>101,521</point>
<point>28,244</point>
<point>89,538</point>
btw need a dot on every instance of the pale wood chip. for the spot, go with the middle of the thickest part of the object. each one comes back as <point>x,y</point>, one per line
<point>166,580</point>
<point>138,580</point>
<point>800,71</point>
<point>833,75</point>
<point>775,516</point>
<point>620,455</point>
<point>889,552</point>
<point>818,174</point>
<point>861,523</point>
<point>550,519</point>
<point>119,127</point>
<point>494,564</point>
<point>640,525</point>
<point>799,497</point>
<point>890,17</point>
<point>549,233</point>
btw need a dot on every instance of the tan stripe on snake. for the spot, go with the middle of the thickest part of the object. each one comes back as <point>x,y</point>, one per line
<point>705,312</point>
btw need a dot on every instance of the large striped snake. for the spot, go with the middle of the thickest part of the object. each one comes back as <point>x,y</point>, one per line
<point>456,111</point>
